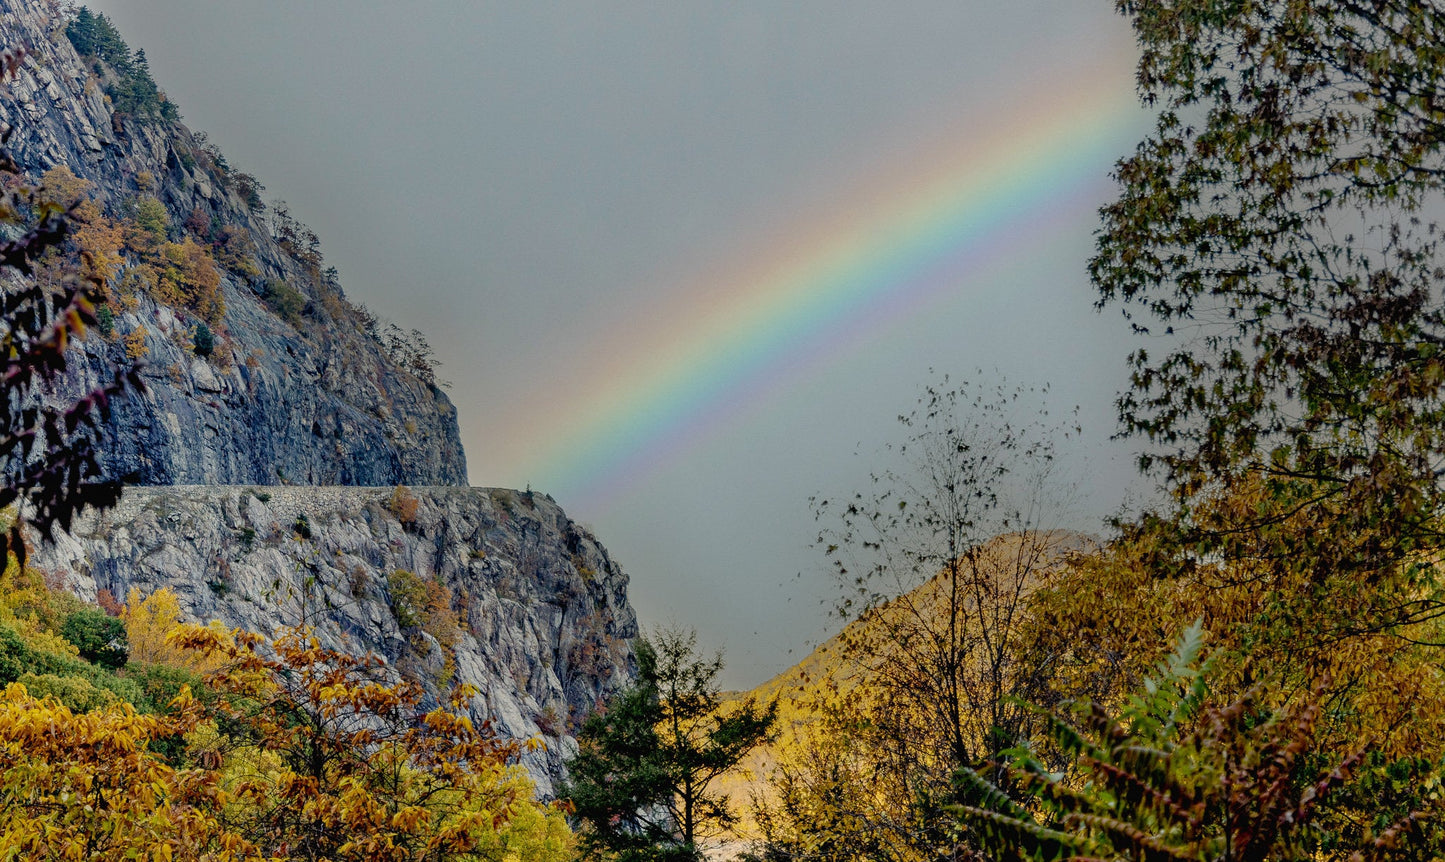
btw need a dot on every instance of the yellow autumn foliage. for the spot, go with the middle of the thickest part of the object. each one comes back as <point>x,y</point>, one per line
<point>148,622</point>
<point>88,787</point>
<point>324,757</point>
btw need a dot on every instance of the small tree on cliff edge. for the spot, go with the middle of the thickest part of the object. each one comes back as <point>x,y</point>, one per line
<point>639,783</point>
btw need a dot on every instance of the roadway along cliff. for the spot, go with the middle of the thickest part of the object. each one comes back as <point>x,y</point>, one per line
<point>490,587</point>
<point>263,459</point>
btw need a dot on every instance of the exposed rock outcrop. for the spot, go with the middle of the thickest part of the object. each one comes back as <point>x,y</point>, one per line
<point>544,619</point>
<point>242,454</point>
<point>312,400</point>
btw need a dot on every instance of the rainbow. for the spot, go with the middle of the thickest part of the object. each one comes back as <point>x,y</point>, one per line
<point>911,239</point>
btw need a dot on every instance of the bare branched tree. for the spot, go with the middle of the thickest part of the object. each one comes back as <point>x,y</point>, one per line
<point>936,562</point>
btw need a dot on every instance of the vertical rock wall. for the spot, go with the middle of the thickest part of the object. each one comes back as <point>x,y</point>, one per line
<point>313,401</point>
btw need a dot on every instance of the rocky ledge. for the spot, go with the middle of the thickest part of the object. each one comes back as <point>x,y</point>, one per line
<point>490,587</point>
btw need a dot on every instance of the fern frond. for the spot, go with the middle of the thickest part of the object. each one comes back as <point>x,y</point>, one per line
<point>1128,837</point>
<point>1071,740</point>
<point>1024,839</point>
<point>1138,791</point>
<point>1176,691</point>
<point>989,796</point>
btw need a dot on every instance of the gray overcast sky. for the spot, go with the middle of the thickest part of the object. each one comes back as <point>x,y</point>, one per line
<point>529,182</point>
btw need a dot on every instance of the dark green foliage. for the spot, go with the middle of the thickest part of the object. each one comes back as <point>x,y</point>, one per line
<point>94,36</point>
<point>99,637</point>
<point>283,299</point>
<point>105,320</point>
<point>1385,797</point>
<point>302,527</point>
<point>1272,236</point>
<point>17,658</point>
<point>160,684</point>
<point>136,94</point>
<point>203,341</point>
<point>133,91</point>
<point>640,779</point>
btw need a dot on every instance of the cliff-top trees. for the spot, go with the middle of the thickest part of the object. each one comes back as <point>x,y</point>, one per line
<point>131,88</point>
<point>640,780</point>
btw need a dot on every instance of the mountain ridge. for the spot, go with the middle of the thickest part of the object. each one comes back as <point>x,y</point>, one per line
<point>300,387</point>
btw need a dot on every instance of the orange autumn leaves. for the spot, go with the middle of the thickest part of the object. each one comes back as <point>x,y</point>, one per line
<point>135,253</point>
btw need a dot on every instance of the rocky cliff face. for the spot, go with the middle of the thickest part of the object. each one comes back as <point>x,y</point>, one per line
<point>490,587</point>
<point>240,454</point>
<point>311,399</point>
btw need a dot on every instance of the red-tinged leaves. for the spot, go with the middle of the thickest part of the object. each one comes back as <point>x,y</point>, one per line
<point>1234,787</point>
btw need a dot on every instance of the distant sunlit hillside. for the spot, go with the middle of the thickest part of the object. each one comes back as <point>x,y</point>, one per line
<point>832,673</point>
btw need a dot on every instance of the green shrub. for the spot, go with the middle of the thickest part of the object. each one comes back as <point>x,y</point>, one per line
<point>408,598</point>
<point>203,342</point>
<point>151,218</point>
<point>18,658</point>
<point>100,638</point>
<point>75,692</point>
<point>159,684</point>
<point>283,299</point>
